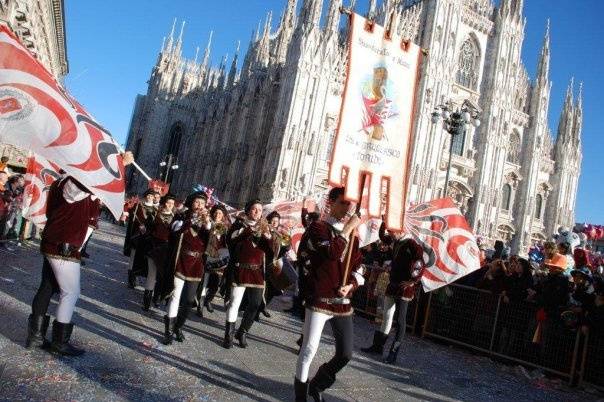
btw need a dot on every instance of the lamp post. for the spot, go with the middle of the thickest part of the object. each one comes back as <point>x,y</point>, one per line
<point>169,165</point>
<point>456,121</point>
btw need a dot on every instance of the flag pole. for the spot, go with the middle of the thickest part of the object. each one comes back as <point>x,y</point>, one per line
<point>141,170</point>
<point>353,233</point>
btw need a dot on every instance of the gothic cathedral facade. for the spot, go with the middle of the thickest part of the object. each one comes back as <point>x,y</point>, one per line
<point>266,130</point>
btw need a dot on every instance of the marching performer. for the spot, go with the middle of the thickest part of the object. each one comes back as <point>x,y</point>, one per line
<point>281,245</point>
<point>249,241</point>
<point>72,214</point>
<point>217,259</point>
<point>186,261</point>
<point>406,269</point>
<point>140,219</point>
<point>327,299</point>
<point>159,237</point>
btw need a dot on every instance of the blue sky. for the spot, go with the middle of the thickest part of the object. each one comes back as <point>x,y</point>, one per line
<point>112,46</point>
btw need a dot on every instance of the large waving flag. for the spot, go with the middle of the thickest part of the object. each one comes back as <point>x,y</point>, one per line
<point>36,113</point>
<point>41,173</point>
<point>450,249</point>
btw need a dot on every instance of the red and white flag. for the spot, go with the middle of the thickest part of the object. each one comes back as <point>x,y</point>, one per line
<point>40,175</point>
<point>376,119</point>
<point>36,113</point>
<point>450,249</point>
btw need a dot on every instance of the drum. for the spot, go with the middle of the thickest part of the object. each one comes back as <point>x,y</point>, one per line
<point>219,262</point>
<point>282,274</point>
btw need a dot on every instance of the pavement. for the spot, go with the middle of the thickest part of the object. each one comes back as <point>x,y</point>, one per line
<point>125,360</point>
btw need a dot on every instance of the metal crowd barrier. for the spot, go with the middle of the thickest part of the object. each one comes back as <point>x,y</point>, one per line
<point>483,321</point>
<point>592,362</point>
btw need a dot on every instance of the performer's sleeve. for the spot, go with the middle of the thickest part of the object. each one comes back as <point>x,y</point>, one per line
<point>384,237</point>
<point>357,269</point>
<point>322,242</point>
<point>95,212</point>
<point>304,217</point>
<point>239,233</point>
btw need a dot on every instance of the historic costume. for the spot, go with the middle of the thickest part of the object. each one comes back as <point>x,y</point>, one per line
<point>217,258</point>
<point>186,261</point>
<point>159,236</point>
<point>72,214</point>
<point>250,248</point>
<point>327,250</point>
<point>406,268</point>
<point>140,220</point>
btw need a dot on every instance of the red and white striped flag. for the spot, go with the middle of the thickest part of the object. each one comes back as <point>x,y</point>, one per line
<point>450,249</point>
<point>40,175</point>
<point>36,113</point>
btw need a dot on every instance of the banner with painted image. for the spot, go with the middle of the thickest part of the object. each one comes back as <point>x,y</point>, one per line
<point>41,173</point>
<point>376,119</point>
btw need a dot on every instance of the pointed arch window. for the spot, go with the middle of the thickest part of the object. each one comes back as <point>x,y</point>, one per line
<point>506,197</point>
<point>175,138</point>
<point>538,206</point>
<point>468,64</point>
<point>514,148</point>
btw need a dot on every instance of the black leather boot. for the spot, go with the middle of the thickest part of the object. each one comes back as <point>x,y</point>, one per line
<point>61,334</point>
<point>131,279</point>
<point>181,318</point>
<point>155,299</point>
<point>301,389</point>
<point>241,337</point>
<point>147,296</point>
<point>322,380</point>
<point>379,339</point>
<point>228,335</point>
<point>200,310</point>
<point>393,354</point>
<point>168,330</point>
<point>208,305</point>
<point>36,330</point>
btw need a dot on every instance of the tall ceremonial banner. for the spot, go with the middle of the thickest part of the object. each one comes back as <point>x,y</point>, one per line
<point>450,249</point>
<point>37,114</point>
<point>40,175</point>
<point>375,125</point>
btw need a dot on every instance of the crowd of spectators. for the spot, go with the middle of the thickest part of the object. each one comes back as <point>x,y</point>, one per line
<point>13,227</point>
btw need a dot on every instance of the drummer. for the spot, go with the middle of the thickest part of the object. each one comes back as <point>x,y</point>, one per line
<point>217,258</point>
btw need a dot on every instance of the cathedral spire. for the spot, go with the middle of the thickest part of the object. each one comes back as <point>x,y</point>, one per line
<point>543,67</point>
<point>372,9</point>
<point>578,116</point>
<point>565,126</point>
<point>233,71</point>
<point>171,37</point>
<point>206,53</point>
<point>267,24</point>
<point>289,15</point>
<point>311,13</point>
<point>333,17</point>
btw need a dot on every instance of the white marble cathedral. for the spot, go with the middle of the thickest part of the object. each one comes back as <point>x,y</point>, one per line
<point>266,130</point>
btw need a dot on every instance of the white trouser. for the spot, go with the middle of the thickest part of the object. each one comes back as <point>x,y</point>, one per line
<point>237,293</point>
<point>175,299</point>
<point>151,274</point>
<point>314,322</point>
<point>388,314</point>
<point>67,274</point>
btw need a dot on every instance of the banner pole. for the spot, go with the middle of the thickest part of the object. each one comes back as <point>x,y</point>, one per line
<point>353,234</point>
<point>141,170</point>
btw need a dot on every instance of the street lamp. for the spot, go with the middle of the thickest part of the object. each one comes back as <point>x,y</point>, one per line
<point>455,121</point>
<point>169,165</point>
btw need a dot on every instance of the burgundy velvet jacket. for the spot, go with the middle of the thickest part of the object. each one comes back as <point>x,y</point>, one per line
<point>327,253</point>
<point>251,252</point>
<point>70,211</point>
<point>191,247</point>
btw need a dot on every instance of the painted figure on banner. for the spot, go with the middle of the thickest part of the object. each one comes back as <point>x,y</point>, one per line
<point>378,92</point>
